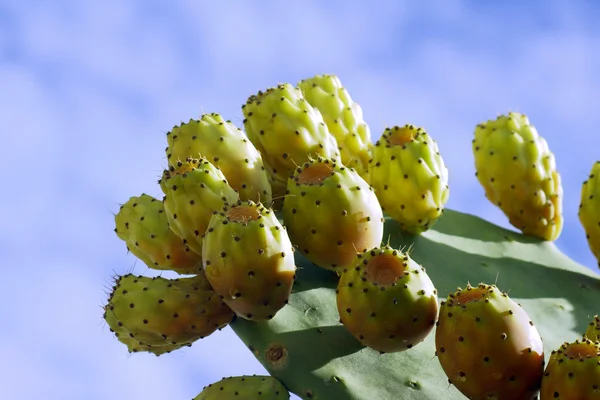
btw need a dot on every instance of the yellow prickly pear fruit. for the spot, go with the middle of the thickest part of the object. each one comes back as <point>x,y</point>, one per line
<point>518,173</point>
<point>409,177</point>
<point>143,224</point>
<point>343,117</point>
<point>260,387</point>
<point>589,209</point>
<point>227,147</point>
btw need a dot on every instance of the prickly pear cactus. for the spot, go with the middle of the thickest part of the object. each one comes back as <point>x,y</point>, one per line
<point>227,147</point>
<point>257,387</point>
<point>518,173</point>
<point>593,330</point>
<point>589,209</point>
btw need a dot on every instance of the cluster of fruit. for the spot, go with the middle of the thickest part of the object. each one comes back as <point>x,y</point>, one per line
<point>305,176</point>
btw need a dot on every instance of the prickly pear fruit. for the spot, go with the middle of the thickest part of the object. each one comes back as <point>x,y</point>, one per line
<point>589,210</point>
<point>593,330</point>
<point>249,260</point>
<point>226,147</point>
<point>488,346</point>
<point>343,117</point>
<point>518,173</point>
<point>142,223</point>
<point>409,177</point>
<point>259,387</point>
<point>160,315</point>
<point>573,372</point>
<point>331,213</point>
<point>386,300</point>
<point>287,131</point>
<point>194,189</point>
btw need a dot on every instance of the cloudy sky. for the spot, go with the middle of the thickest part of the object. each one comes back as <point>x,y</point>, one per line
<point>89,89</point>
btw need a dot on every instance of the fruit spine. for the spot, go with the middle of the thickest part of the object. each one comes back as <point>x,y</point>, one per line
<point>589,210</point>
<point>343,117</point>
<point>409,177</point>
<point>227,148</point>
<point>249,260</point>
<point>518,173</point>
<point>142,223</point>
<point>331,213</point>
<point>386,300</point>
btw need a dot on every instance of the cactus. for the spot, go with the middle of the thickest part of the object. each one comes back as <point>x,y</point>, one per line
<point>194,189</point>
<point>589,209</point>
<point>488,345</point>
<point>142,223</point>
<point>226,147</point>
<point>573,372</point>
<point>249,260</point>
<point>593,330</point>
<point>160,315</point>
<point>331,213</point>
<point>518,173</point>
<point>343,117</point>
<point>386,300</point>
<point>409,177</point>
<point>245,387</point>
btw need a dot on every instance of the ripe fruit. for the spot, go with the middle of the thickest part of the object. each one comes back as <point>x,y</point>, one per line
<point>331,213</point>
<point>409,177</point>
<point>488,346</point>
<point>142,223</point>
<point>518,173</point>
<point>245,387</point>
<point>386,300</point>
<point>249,260</point>
<point>589,210</point>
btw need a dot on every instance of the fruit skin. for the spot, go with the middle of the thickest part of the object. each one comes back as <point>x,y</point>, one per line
<point>518,173</point>
<point>263,387</point>
<point>410,178</point>
<point>287,130</point>
<point>142,223</point>
<point>593,330</point>
<point>488,346</point>
<point>589,210</point>
<point>573,372</point>
<point>159,315</point>
<point>386,300</point>
<point>193,190</point>
<point>227,147</point>
<point>331,213</point>
<point>343,117</point>
<point>249,260</point>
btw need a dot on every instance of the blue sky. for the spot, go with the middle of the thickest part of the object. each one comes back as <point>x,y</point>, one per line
<point>89,89</point>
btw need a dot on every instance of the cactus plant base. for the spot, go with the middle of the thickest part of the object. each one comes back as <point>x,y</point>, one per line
<point>311,352</point>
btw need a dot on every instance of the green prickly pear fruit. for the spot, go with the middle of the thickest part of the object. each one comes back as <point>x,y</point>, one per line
<point>227,147</point>
<point>287,130</point>
<point>518,173</point>
<point>194,189</point>
<point>409,177</point>
<point>255,387</point>
<point>331,213</point>
<point>488,346</point>
<point>589,209</point>
<point>142,223</point>
<point>343,117</point>
<point>573,372</point>
<point>593,330</point>
<point>249,260</point>
<point>159,315</point>
<point>386,300</point>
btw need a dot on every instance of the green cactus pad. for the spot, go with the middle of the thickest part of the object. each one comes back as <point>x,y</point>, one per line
<point>589,209</point>
<point>488,346</point>
<point>227,147</point>
<point>331,213</point>
<point>143,224</point>
<point>518,173</point>
<point>409,177</point>
<point>249,260</point>
<point>343,117</point>
<point>573,372</point>
<point>255,387</point>
<point>386,300</point>
<point>194,189</point>
<point>313,354</point>
<point>160,315</point>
